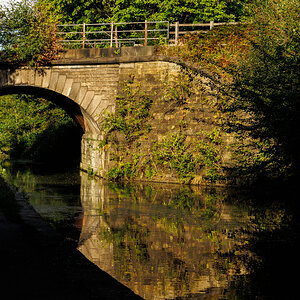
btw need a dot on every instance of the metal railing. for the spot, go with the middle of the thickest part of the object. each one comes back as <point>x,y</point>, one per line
<point>114,34</point>
<point>132,33</point>
<point>193,28</point>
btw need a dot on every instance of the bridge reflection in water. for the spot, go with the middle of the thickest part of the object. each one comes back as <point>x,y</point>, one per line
<point>164,241</point>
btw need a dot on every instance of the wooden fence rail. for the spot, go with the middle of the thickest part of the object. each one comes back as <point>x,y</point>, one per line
<point>134,33</point>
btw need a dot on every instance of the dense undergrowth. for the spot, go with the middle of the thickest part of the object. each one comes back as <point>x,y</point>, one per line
<point>36,129</point>
<point>258,66</point>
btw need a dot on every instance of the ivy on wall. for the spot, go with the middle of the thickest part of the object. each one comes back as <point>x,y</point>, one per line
<point>177,154</point>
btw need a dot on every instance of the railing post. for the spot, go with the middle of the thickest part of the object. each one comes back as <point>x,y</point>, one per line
<point>111,34</point>
<point>83,36</point>
<point>168,32</point>
<point>176,32</point>
<point>211,25</point>
<point>116,36</point>
<point>146,32</point>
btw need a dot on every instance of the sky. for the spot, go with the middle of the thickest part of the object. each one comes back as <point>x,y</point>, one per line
<point>4,2</point>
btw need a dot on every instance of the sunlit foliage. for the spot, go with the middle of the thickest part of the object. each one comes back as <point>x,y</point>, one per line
<point>91,11</point>
<point>34,128</point>
<point>267,85</point>
<point>27,34</point>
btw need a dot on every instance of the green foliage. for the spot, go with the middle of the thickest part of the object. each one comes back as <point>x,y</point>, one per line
<point>92,11</point>
<point>173,153</point>
<point>188,159</point>
<point>208,155</point>
<point>262,59</point>
<point>27,34</point>
<point>34,128</point>
<point>122,171</point>
<point>218,50</point>
<point>131,114</point>
<point>179,90</point>
<point>267,86</point>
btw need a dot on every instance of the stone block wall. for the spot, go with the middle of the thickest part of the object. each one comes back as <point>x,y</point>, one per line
<point>183,103</point>
<point>90,81</point>
<point>94,159</point>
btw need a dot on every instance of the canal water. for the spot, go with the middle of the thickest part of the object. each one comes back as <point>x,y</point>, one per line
<point>170,241</point>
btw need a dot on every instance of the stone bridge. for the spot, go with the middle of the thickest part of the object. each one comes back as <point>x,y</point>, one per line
<point>86,82</point>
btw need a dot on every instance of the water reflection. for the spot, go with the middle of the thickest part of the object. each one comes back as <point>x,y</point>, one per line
<point>174,242</point>
<point>54,194</point>
<point>163,241</point>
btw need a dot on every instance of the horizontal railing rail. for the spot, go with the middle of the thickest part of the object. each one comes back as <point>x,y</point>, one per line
<point>134,33</point>
<point>194,28</point>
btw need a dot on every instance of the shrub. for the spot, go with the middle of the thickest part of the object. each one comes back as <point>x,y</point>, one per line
<point>28,35</point>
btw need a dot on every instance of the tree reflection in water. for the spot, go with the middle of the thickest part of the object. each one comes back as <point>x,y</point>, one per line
<point>174,242</point>
<point>165,241</point>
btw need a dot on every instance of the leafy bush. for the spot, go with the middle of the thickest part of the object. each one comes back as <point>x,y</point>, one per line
<point>173,152</point>
<point>267,85</point>
<point>27,35</point>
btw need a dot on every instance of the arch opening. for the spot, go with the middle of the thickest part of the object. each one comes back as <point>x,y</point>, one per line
<point>60,143</point>
<point>71,108</point>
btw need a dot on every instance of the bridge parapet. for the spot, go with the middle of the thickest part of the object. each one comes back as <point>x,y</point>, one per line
<point>86,83</point>
<point>106,55</point>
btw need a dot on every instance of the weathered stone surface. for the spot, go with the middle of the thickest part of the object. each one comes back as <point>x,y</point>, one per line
<point>67,88</point>
<point>87,99</point>
<point>53,80</point>
<point>94,159</point>
<point>89,81</point>
<point>46,78</point>
<point>38,79</point>
<point>61,83</point>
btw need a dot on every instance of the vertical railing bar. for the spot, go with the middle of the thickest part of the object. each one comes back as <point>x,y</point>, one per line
<point>176,32</point>
<point>146,33</point>
<point>83,36</point>
<point>111,34</point>
<point>168,32</point>
<point>116,36</point>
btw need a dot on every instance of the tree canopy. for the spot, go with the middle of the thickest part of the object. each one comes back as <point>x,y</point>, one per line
<point>27,33</point>
<point>267,84</point>
<point>184,11</point>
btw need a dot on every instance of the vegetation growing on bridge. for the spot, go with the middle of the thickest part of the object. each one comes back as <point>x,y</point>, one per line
<point>132,112</point>
<point>259,63</point>
<point>137,151</point>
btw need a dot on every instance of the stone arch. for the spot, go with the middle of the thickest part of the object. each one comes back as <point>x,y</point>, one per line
<point>56,86</point>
